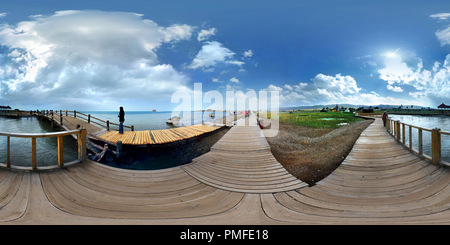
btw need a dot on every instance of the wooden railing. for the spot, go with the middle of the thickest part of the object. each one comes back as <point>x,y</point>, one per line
<point>398,130</point>
<point>85,117</point>
<point>81,138</point>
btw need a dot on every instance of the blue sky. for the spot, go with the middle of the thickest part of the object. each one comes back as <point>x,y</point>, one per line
<point>99,55</point>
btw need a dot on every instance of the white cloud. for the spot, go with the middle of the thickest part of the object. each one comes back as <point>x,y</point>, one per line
<point>93,56</point>
<point>443,35</point>
<point>211,54</point>
<point>321,89</point>
<point>205,34</point>
<point>178,32</point>
<point>234,80</point>
<point>248,53</point>
<point>431,86</point>
<point>441,16</point>
<point>324,89</point>
<point>3,15</point>
<point>394,88</point>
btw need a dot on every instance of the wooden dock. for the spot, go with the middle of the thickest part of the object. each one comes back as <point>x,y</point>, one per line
<point>144,137</point>
<point>157,137</point>
<point>380,182</point>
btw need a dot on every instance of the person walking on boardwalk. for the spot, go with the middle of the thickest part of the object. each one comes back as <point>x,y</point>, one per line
<point>384,118</point>
<point>121,119</point>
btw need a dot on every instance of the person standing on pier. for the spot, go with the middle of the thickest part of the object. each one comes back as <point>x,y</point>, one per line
<point>121,119</point>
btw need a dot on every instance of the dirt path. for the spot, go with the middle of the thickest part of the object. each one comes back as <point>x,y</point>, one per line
<point>311,154</point>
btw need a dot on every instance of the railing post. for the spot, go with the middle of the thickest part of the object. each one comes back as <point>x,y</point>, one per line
<point>420,142</point>
<point>397,130</point>
<point>8,158</point>
<point>403,133</point>
<point>107,125</point>
<point>435,146</point>
<point>410,137</point>
<point>89,118</point>
<point>82,145</point>
<point>132,127</point>
<point>60,151</point>
<point>33,153</point>
<point>75,113</point>
<point>388,124</point>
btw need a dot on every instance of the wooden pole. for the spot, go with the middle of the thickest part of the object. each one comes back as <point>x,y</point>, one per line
<point>8,158</point>
<point>33,153</point>
<point>420,142</point>
<point>435,146</point>
<point>82,153</point>
<point>410,137</point>
<point>388,124</point>
<point>403,133</point>
<point>60,151</point>
<point>107,125</point>
<point>397,130</point>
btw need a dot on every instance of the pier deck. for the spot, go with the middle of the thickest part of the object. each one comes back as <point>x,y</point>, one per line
<point>152,137</point>
<point>380,182</point>
<point>143,137</point>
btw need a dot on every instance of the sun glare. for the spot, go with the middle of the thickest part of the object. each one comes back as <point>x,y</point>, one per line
<point>392,54</point>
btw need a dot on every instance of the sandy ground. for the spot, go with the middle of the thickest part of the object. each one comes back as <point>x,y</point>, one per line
<point>311,154</point>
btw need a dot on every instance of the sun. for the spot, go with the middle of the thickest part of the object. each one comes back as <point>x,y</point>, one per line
<point>392,54</point>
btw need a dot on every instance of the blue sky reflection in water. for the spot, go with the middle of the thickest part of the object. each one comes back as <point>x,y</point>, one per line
<point>99,55</point>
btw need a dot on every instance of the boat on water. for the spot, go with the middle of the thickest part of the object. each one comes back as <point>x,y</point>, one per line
<point>174,121</point>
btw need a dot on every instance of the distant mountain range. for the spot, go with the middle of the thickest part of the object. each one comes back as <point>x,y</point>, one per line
<point>381,106</point>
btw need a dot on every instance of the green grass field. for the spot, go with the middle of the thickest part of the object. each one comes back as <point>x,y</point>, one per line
<point>319,119</point>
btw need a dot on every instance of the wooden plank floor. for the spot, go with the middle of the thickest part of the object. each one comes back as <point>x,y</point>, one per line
<point>163,136</point>
<point>253,168</point>
<point>380,182</point>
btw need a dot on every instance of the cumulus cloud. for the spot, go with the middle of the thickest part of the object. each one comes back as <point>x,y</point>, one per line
<point>205,34</point>
<point>212,54</point>
<point>443,35</point>
<point>93,56</point>
<point>234,80</point>
<point>248,53</point>
<point>394,88</point>
<point>321,89</point>
<point>430,85</point>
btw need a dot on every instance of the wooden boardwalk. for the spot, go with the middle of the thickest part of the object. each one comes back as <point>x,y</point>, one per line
<point>143,137</point>
<point>380,182</point>
<point>163,136</point>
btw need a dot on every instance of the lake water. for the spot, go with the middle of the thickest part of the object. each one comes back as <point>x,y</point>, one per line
<point>46,148</point>
<point>429,122</point>
<point>47,154</point>
<point>151,120</point>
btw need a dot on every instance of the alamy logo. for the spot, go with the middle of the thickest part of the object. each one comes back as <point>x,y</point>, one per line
<point>263,108</point>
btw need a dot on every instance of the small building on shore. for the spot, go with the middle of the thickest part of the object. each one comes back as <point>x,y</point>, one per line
<point>444,108</point>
